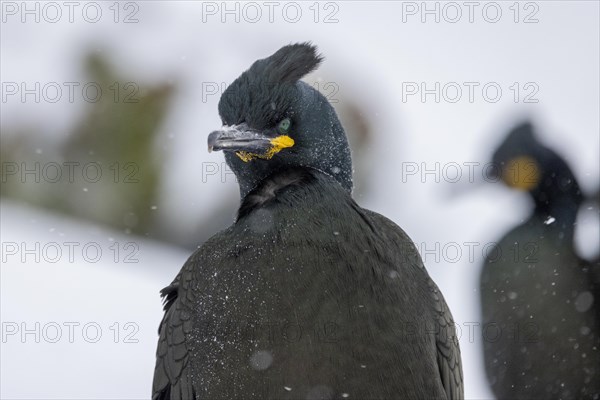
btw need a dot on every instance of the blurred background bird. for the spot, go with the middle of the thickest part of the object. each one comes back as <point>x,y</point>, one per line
<point>539,297</point>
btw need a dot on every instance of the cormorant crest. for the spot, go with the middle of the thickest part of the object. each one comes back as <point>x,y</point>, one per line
<point>262,95</point>
<point>522,133</point>
<point>520,140</point>
<point>288,64</point>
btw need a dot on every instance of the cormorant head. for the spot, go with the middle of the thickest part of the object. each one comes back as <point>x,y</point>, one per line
<point>524,163</point>
<point>272,120</point>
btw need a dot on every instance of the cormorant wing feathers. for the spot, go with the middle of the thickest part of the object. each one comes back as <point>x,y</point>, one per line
<point>172,355</point>
<point>448,350</point>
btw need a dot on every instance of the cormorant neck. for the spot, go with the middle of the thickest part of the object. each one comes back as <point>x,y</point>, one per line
<point>557,201</point>
<point>248,183</point>
<point>275,184</point>
<point>561,215</point>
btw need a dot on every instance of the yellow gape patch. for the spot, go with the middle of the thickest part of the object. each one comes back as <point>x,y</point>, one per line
<point>521,173</point>
<point>277,144</point>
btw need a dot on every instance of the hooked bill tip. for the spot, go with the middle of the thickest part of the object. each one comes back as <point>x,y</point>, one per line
<point>212,139</point>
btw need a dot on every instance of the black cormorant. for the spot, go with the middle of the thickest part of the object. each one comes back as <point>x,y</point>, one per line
<point>307,295</point>
<point>538,297</point>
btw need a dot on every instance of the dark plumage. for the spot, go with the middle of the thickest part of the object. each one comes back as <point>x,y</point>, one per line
<point>306,295</point>
<point>539,299</point>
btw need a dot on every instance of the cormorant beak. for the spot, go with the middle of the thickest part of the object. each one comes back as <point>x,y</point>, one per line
<point>522,173</point>
<point>247,144</point>
<point>238,138</point>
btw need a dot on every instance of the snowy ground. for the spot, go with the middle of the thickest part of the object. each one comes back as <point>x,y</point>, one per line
<point>76,324</point>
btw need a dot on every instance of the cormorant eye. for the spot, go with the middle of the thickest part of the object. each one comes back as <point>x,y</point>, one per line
<point>284,126</point>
